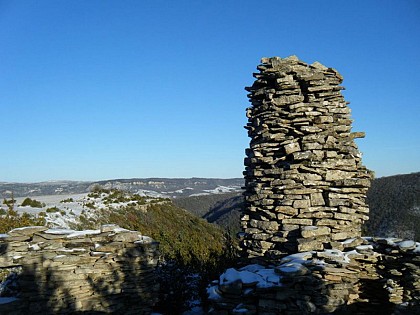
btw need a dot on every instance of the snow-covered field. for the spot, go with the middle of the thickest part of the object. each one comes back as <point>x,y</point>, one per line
<point>64,211</point>
<point>67,214</point>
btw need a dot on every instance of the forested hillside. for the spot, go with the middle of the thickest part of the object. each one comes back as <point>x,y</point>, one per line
<point>223,209</point>
<point>394,203</point>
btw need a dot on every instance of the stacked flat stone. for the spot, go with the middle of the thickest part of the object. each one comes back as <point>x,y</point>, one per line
<point>111,270</point>
<point>305,183</point>
<point>378,276</point>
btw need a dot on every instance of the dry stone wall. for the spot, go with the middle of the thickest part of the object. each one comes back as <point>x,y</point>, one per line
<point>111,270</point>
<point>305,183</point>
<point>381,276</point>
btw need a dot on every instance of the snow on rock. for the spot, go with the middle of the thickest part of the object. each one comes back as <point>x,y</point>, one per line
<point>71,233</point>
<point>144,240</point>
<point>73,250</point>
<point>34,247</point>
<point>5,300</point>
<point>269,278</point>
<point>213,293</point>
<point>240,309</point>
<point>56,231</point>
<point>348,241</point>
<point>417,249</point>
<point>252,267</point>
<point>251,275</point>
<point>112,228</point>
<point>334,255</point>
<point>350,254</point>
<point>196,310</point>
<point>405,245</point>
<point>24,228</point>
<point>293,268</point>
<point>364,247</point>
<point>76,234</point>
<point>232,275</point>
<point>304,257</point>
<point>27,230</point>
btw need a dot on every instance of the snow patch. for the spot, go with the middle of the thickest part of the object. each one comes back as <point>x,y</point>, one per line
<point>83,233</point>
<point>348,241</point>
<point>232,275</point>
<point>34,247</point>
<point>261,277</point>
<point>24,228</point>
<point>55,231</point>
<point>364,247</point>
<point>407,244</point>
<point>213,293</point>
<point>5,300</point>
<point>144,240</point>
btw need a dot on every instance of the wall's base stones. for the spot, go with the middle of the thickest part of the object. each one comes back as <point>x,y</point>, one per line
<point>111,270</point>
<point>379,276</point>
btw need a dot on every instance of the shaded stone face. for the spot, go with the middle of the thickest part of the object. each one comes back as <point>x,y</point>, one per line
<point>106,271</point>
<point>305,183</point>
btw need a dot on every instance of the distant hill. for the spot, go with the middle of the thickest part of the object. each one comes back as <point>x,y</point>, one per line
<point>156,187</point>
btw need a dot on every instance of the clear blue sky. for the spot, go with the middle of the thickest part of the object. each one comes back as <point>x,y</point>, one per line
<point>95,90</point>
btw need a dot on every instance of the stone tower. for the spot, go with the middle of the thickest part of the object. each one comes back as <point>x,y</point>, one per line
<point>305,183</point>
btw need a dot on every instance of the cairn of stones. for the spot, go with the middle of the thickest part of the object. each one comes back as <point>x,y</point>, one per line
<point>56,271</point>
<point>305,204</point>
<point>304,179</point>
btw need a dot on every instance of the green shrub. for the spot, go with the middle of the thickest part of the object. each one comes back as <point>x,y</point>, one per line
<point>52,210</point>
<point>32,203</point>
<point>12,220</point>
<point>90,205</point>
<point>9,202</point>
<point>2,211</point>
<point>85,223</point>
<point>67,200</point>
